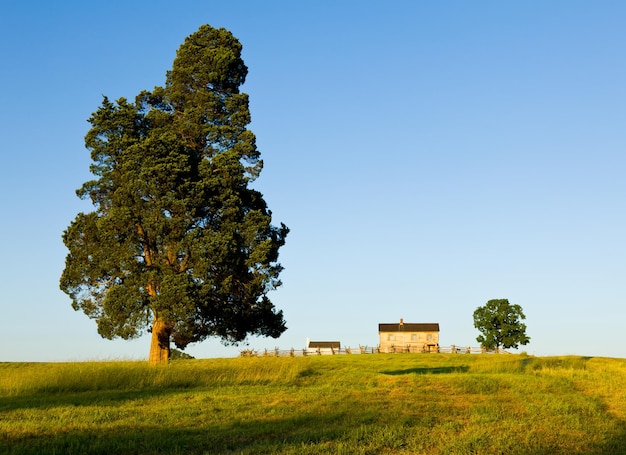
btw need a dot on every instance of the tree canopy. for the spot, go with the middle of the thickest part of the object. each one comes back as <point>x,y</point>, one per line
<point>500,325</point>
<point>179,243</point>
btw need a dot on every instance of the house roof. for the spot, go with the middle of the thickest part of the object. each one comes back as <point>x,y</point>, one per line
<point>409,327</point>
<point>325,344</point>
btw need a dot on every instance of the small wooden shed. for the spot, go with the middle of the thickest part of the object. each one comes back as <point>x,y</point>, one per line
<point>323,347</point>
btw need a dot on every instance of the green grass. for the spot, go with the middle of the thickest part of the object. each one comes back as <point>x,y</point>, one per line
<point>348,404</point>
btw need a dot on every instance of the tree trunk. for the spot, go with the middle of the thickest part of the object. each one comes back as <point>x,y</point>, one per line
<point>160,345</point>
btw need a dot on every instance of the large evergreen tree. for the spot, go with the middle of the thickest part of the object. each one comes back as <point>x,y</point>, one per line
<point>178,243</point>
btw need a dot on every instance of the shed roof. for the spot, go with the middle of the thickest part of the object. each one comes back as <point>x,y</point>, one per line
<point>409,327</point>
<point>325,344</point>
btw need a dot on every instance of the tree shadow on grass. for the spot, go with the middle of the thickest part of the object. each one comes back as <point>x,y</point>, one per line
<point>428,370</point>
<point>568,362</point>
<point>38,400</point>
<point>249,437</point>
<point>304,433</point>
<point>617,443</point>
<point>309,433</point>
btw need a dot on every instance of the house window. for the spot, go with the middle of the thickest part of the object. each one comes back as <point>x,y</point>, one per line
<point>391,337</point>
<point>430,337</point>
<point>414,337</point>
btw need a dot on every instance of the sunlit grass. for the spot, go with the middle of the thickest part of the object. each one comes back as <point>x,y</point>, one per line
<point>362,404</point>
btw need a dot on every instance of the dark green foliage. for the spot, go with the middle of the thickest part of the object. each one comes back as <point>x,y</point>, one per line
<point>177,234</point>
<point>500,325</point>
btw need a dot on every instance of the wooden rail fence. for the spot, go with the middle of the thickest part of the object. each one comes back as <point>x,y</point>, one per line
<point>276,352</point>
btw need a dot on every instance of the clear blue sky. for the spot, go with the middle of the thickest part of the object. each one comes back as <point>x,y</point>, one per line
<point>427,156</point>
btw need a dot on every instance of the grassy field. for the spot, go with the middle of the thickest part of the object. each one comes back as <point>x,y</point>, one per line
<point>347,404</point>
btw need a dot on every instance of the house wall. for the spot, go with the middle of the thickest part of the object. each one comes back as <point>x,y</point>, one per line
<point>408,341</point>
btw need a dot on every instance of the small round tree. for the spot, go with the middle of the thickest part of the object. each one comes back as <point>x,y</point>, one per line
<point>499,323</point>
